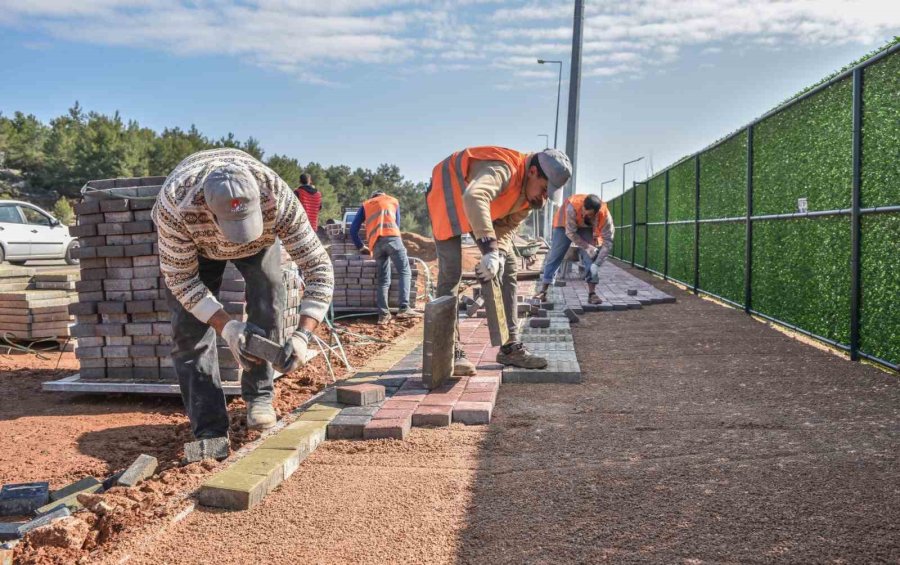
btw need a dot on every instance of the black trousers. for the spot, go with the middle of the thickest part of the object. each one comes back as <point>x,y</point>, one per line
<point>194,351</point>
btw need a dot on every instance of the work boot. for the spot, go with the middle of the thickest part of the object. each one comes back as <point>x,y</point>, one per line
<point>594,299</point>
<point>406,313</point>
<point>462,367</point>
<point>384,319</point>
<point>516,355</point>
<point>542,295</point>
<point>260,415</point>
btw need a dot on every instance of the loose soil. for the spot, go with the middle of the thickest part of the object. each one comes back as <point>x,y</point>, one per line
<point>61,438</point>
<point>699,434</point>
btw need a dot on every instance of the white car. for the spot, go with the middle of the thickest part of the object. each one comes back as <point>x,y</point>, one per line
<point>28,232</point>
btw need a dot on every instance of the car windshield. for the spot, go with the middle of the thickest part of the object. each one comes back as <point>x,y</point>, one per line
<point>34,217</point>
<point>9,215</point>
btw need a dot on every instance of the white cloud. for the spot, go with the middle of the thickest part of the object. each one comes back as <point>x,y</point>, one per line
<point>309,39</point>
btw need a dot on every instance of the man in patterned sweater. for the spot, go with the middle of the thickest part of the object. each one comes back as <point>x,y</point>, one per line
<point>223,205</point>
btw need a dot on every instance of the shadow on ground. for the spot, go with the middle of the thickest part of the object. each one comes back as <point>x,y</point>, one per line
<point>698,434</point>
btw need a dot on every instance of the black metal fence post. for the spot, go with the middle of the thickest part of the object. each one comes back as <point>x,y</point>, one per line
<point>633,222</point>
<point>855,286</point>
<point>748,251</point>
<point>666,229</point>
<point>696,223</point>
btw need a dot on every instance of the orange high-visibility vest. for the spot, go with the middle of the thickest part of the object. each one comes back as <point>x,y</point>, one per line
<point>577,202</point>
<point>381,218</point>
<point>450,178</point>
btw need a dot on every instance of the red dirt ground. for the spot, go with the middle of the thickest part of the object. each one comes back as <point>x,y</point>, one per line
<point>61,438</point>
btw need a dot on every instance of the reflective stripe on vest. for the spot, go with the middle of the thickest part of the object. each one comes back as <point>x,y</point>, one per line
<point>450,178</point>
<point>381,218</point>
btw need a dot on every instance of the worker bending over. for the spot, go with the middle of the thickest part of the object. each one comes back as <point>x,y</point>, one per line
<point>381,214</point>
<point>223,205</point>
<point>584,220</point>
<point>489,191</point>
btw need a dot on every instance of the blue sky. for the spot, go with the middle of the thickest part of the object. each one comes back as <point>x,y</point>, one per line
<point>363,82</point>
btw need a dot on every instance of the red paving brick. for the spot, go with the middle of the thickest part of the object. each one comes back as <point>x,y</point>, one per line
<point>397,428</point>
<point>390,414</point>
<point>473,412</point>
<point>432,415</point>
<point>484,396</point>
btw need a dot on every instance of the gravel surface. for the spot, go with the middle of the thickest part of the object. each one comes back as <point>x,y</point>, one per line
<point>699,435</point>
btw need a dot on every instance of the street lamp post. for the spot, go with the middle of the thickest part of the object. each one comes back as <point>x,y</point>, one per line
<point>546,139</point>
<point>558,88</point>
<point>623,171</point>
<point>605,183</point>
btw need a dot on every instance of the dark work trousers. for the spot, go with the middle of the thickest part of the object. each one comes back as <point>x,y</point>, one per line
<point>194,351</point>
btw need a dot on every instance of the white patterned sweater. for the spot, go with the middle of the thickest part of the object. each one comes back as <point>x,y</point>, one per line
<point>187,230</point>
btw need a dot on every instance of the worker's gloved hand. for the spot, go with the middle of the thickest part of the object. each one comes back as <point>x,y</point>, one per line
<point>294,352</point>
<point>489,267</point>
<point>595,271</point>
<point>364,250</point>
<point>237,334</point>
<point>592,252</point>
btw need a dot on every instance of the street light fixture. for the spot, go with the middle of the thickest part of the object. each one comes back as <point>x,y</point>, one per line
<point>623,171</point>
<point>546,139</point>
<point>604,183</point>
<point>558,88</point>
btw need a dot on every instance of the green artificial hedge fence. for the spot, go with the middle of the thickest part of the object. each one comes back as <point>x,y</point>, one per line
<point>681,253</point>
<point>880,274</point>
<point>723,180</point>
<point>801,274</point>
<point>640,232</point>
<point>656,248</point>
<point>681,191</point>
<point>722,248</point>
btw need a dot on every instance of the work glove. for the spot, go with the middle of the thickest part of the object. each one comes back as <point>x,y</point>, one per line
<point>489,267</point>
<point>592,252</point>
<point>237,334</point>
<point>364,250</point>
<point>295,352</point>
<point>595,272</point>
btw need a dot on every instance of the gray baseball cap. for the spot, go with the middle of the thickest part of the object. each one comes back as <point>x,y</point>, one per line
<point>558,168</point>
<point>232,195</point>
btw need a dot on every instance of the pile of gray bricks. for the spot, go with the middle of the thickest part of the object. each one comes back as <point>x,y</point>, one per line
<point>356,276</point>
<point>35,306</point>
<point>123,320</point>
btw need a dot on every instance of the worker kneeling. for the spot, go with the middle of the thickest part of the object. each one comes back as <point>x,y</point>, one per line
<point>381,215</point>
<point>489,191</point>
<point>584,220</point>
<point>223,205</point>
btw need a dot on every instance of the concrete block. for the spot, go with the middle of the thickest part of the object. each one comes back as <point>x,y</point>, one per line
<point>210,448</point>
<point>397,428</point>
<point>473,413</point>
<point>70,501</point>
<point>9,531</point>
<point>571,316</point>
<point>264,349</point>
<point>559,283</point>
<point>314,431</point>
<point>438,341</point>
<point>268,463</point>
<point>23,499</point>
<point>44,520</point>
<point>363,394</point>
<point>539,322</point>
<point>74,488</point>
<point>496,314</point>
<point>432,415</point>
<point>233,490</point>
<point>361,410</point>
<point>347,427</point>
<point>632,292</point>
<point>143,467</point>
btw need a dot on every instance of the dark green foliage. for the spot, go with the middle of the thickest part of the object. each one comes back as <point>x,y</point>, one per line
<point>656,199</point>
<point>722,259</point>
<point>881,134</point>
<point>681,191</point>
<point>880,274</point>
<point>626,244</point>
<point>805,152</point>
<point>723,179</point>
<point>801,273</point>
<point>640,234</point>
<point>681,252</point>
<point>656,247</point>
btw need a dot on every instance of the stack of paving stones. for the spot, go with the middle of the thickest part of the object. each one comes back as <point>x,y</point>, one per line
<point>122,317</point>
<point>355,276</point>
<point>27,506</point>
<point>34,306</point>
<point>618,289</point>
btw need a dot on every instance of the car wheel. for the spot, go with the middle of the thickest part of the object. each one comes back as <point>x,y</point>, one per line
<point>17,263</point>
<point>70,258</point>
